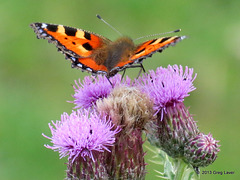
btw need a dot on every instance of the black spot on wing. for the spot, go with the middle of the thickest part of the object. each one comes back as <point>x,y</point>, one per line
<point>70,31</point>
<point>164,39</point>
<point>87,46</point>
<point>140,51</point>
<point>87,35</point>
<point>52,27</point>
<point>151,42</point>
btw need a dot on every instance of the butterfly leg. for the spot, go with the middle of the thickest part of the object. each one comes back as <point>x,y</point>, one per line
<point>123,74</point>
<point>142,68</point>
<point>140,71</point>
<point>109,81</point>
<point>93,81</point>
<point>135,66</point>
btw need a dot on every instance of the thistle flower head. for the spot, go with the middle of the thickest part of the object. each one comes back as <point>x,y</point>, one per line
<point>201,150</point>
<point>94,88</point>
<point>81,134</point>
<point>128,107</point>
<point>167,86</point>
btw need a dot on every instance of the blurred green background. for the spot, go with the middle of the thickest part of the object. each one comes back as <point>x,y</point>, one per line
<point>35,80</point>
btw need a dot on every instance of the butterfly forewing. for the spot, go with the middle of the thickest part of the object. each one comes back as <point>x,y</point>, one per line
<point>73,41</point>
<point>155,45</point>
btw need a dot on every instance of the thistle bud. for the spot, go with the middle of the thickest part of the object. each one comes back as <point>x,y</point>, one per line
<point>201,150</point>
<point>175,126</point>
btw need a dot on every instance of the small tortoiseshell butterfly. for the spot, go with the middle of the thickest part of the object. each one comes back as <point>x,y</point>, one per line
<point>97,54</point>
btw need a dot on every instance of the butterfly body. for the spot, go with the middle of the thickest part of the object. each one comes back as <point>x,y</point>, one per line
<point>114,52</point>
<point>97,54</point>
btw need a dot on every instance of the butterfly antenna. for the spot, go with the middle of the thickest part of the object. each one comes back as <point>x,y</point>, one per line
<point>99,17</point>
<point>177,30</point>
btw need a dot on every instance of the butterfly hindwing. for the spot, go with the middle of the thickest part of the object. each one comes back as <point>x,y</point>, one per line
<point>87,64</point>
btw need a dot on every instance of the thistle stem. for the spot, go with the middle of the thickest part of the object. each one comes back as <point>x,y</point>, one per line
<point>180,166</point>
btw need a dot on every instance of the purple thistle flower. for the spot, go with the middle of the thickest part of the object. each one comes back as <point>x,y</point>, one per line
<point>94,88</point>
<point>175,130</point>
<point>81,133</point>
<point>167,86</point>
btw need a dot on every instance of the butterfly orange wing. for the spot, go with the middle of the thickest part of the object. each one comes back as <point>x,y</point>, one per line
<point>147,48</point>
<point>77,45</point>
